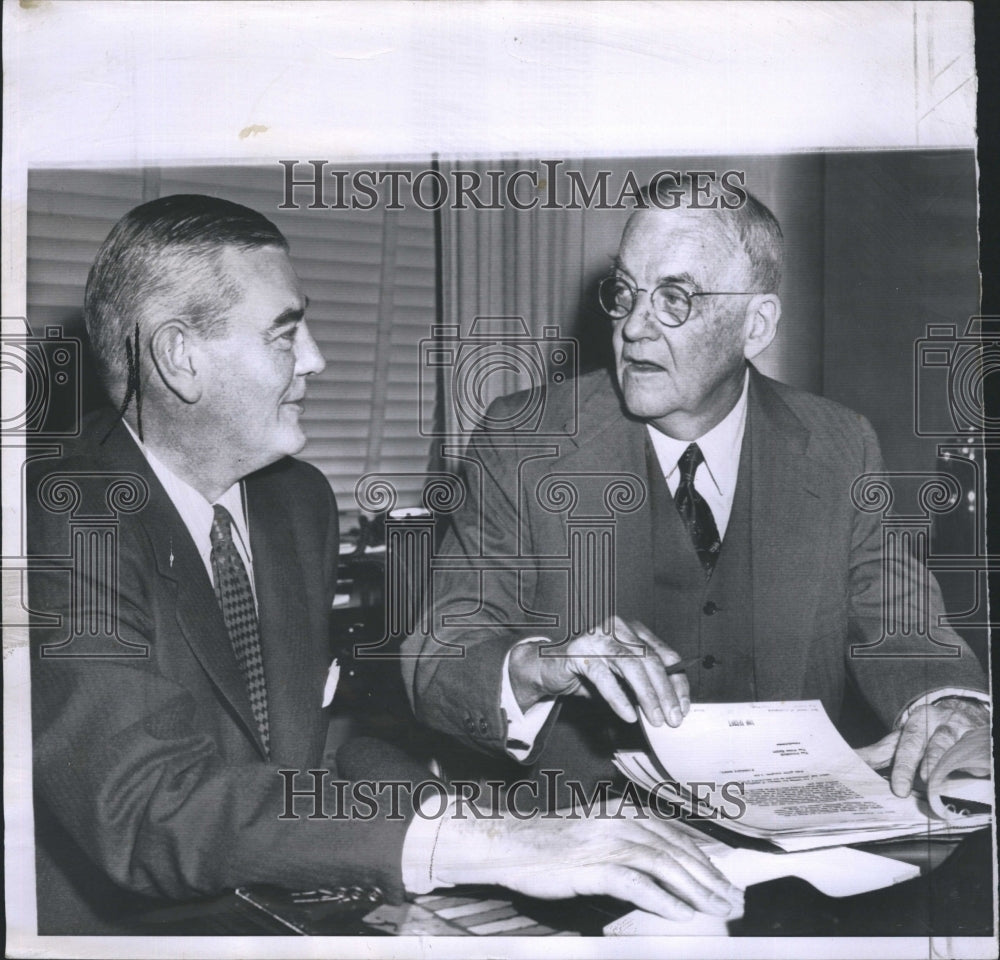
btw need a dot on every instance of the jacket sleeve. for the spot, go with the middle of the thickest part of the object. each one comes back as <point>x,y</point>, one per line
<point>478,609</point>
<point>893,588</point>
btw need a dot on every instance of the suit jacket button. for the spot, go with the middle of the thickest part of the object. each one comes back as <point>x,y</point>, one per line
<point>484,727</point>
<point>710,608</point>
<point>470,725</point>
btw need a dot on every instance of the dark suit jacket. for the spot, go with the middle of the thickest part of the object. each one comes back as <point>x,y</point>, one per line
<point>815,576</point>
<point>150,779</point>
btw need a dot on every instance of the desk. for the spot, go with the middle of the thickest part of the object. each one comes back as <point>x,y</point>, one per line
<point>952,897</point>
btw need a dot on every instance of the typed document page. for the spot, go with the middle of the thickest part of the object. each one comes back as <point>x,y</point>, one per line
<point>797,776</point>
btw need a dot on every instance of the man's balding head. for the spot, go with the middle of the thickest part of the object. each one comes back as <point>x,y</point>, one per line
<point>750,228</point>
<point>695,297</point>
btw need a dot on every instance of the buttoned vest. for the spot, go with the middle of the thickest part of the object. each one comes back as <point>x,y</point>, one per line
<point>693,616</point>
<point>697,617</point>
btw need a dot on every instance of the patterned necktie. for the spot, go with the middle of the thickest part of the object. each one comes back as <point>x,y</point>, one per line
<point>232,587</point>
<point>695,512</point>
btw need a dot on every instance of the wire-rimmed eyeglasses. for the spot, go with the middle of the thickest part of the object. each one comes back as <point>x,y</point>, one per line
<point>671,302</point>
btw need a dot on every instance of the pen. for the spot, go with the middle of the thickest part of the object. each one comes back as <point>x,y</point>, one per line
<point>707,662</point>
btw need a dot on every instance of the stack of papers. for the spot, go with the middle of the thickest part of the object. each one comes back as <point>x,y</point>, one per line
<point>838,872</point>
<point>778,771</point>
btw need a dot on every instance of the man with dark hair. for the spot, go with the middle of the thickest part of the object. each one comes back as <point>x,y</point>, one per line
<point>747,547</point>
<point>182,666</point>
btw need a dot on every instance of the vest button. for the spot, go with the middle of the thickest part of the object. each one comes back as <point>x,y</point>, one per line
<point>710,608</point>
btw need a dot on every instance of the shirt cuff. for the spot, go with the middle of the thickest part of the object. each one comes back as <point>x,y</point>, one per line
<point>934,695</point>
<point>420,843</point>
<point>523,726</point>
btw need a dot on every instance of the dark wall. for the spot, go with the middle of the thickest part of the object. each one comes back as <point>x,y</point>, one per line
<point>901,252</point>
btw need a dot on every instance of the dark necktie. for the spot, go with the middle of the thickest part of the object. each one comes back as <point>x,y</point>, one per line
<point>232,587</point>
<point>695,512</point>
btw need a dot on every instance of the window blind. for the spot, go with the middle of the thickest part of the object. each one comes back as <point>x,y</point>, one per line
<point>369,276</point>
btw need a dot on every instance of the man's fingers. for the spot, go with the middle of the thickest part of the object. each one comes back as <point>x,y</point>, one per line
<point>636,675</point>
<point>597,671</point>
<point>943,738</point>
<point>698,884</point>
<point>662,693</point>
<point>666,830</point>
<point>682,690</point>
<point>628,656</point>
<point>639,888</point>
<point>909,751</point>
<point>879,755</point>
<point>673,849</point>
<point>672,690</point>
<point>602,659</point>
<point>704,886</point>
<point>930,730</point>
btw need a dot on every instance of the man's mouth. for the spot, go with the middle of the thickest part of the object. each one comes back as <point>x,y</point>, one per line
<point>636,365</point>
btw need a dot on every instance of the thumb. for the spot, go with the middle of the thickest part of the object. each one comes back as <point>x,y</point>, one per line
<point>879,755</point>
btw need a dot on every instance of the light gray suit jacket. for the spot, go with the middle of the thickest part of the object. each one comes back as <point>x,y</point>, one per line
<point>816,576</point>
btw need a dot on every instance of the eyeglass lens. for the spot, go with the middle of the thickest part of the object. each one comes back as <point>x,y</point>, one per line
<point>671,302</point>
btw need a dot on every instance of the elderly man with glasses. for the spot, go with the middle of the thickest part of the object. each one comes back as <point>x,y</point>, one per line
<point>746,547</point>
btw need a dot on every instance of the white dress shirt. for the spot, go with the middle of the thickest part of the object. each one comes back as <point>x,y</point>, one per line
<point>198,514</point>
<point>715,478</point>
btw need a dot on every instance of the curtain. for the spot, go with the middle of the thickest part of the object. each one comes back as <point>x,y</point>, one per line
<point>511,287</point>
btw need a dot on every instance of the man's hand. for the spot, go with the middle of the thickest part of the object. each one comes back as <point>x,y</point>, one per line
<point>620,654</point>
<point>918,745</point>
<point>647,862</point>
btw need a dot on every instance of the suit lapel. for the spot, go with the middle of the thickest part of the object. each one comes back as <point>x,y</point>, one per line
<point>294,666</point>
<point>180,566</point>
<point>613,443</point>
<point>787,490</point>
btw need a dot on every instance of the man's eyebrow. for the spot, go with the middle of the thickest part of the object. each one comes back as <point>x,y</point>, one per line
<point>617,266</point>
<point>681,278</point>
<point>290,316</point>
<point>686,278</point>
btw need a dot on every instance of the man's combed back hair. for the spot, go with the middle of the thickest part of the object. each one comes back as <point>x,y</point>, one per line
<point>751,224</point>
<point>161,261</point>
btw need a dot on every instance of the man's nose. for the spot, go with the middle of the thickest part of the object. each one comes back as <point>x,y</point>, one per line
<point>641,323</point>
<point>308,358</point>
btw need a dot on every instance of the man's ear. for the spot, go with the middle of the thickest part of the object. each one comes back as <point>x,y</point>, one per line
<point>760,324</point>
<point>172,348</point>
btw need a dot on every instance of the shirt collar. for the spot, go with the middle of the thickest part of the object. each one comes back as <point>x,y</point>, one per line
<point>720,446</point>
<point>196,512</point>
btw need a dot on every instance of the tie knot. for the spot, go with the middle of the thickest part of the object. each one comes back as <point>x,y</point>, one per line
<point>222,526</point>
<point>689,462</point>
